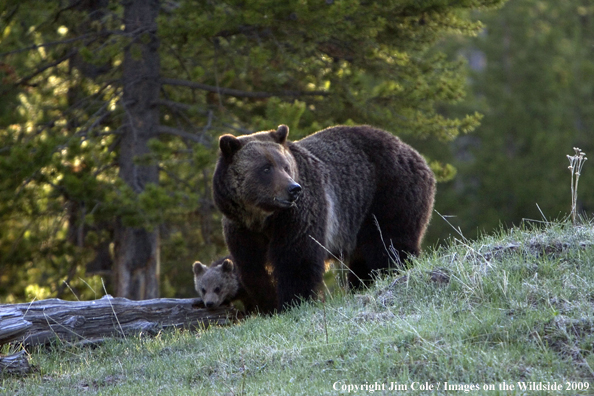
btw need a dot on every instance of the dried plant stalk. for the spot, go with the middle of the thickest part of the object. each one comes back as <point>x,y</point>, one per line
<point>576,162</point>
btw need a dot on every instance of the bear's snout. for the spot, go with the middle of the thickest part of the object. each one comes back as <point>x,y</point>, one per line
<point>294,191</point>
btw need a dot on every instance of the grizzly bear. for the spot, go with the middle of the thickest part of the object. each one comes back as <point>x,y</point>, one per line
<point>219,284</point>
<point>353,192</point>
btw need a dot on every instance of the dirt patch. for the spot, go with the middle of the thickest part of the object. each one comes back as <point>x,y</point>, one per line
<point>536,249</point>
<point>572,338</point>
<point>108,381</point>
<point>440,276</point>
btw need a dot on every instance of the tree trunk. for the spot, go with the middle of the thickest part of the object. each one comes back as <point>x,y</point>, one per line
<point>137,249</point>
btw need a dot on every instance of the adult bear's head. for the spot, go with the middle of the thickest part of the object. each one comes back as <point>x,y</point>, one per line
<point>256,173</point>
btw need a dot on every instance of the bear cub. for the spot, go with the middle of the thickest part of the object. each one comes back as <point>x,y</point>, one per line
<point>219,283</point>
<point>346,191</point>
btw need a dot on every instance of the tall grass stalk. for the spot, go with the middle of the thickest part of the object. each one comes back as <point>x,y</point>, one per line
<point>576,162</point>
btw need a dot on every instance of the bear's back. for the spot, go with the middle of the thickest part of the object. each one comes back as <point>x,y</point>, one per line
<point>346,158</point>
<point>359,163</point>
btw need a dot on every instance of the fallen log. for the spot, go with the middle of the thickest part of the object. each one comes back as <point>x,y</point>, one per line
<point>16,364</point>
<point>44,321</point>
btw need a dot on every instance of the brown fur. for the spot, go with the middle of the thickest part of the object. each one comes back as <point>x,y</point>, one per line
<point>219,283</point>
<point>352,191</point>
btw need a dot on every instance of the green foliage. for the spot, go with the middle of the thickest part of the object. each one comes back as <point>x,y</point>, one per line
<point>260,63</point>
<point>277,109</point>
<point>533,80</point>
<point>371,61</point>
<point>443,172</point>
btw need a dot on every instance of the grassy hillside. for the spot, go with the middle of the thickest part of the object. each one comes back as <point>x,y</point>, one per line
<point>514,309</point>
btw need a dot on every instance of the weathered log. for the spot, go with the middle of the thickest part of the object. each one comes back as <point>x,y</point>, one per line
<point>16,364</point>
<point>12,324</point>
<point>40,322</point>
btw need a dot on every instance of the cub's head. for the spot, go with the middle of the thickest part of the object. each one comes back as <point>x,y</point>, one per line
<point>215,284</point>
<point>256,172</point>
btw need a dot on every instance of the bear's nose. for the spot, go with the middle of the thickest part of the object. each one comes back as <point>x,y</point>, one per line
<point>294,191</point>
<point>209,304</point>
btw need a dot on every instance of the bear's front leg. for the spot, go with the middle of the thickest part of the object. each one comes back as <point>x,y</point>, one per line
<point>298,271</point>
<point>249,253</point>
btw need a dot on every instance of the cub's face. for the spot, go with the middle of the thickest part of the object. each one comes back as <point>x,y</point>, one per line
<point>217,284</point>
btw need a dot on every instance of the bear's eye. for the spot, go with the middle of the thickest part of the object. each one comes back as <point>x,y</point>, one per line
<point>267,168</point>
<point>217,290</point>
<point>287,169</point>
<point>203,291</point>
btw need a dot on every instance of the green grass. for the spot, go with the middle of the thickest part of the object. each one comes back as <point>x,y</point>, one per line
<point>513,307</point>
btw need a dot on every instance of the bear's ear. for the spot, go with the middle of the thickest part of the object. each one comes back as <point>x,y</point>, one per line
<point>280,135</point>
<point>229,145</point>
<point>199,268</point>
<point>227,265</point>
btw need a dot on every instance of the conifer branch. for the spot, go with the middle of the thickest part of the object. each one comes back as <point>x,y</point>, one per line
<point>237,92</point>
<point>93,35</point>
<point>178,132</point>
<point>45,67</point>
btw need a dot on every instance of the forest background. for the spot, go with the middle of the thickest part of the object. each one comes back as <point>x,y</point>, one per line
<point>110,113</point>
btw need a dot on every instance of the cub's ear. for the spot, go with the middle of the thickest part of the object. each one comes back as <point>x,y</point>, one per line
<point>227,265</point>
<point>229,145</point>
<point>280,135</point>
<point>199,268</point>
